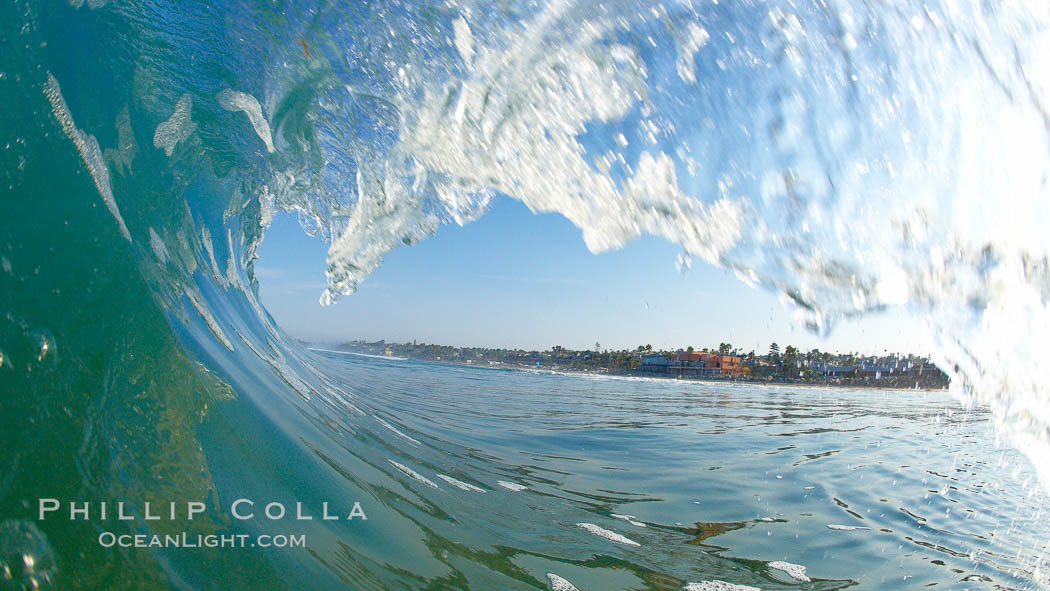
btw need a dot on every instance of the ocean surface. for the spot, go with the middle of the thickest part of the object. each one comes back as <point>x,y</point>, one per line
<point>705,481</point>
<point>852,156</point>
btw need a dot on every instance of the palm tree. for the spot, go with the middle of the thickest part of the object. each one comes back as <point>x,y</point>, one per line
<point>791,357</point>
<point>774,353</point>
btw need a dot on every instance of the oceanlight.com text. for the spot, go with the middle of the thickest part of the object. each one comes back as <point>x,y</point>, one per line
<point>185,540</point>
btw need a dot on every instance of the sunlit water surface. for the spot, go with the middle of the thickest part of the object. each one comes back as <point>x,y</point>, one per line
<point>712,481</point>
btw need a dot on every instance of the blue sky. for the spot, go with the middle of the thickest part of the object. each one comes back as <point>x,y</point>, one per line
<point>515,279</point>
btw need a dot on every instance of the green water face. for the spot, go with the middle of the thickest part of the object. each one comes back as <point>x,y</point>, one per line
<point>98,401</point>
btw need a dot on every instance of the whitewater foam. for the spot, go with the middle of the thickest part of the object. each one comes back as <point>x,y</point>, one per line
<point>559,583</point>
<point>209,320</point>
<point>123,156</point>
<point>235,100</point>
<point>607,534</point>
<point>209,248</point>
<point>512,486</point>
<point>628,518</point>
<point>157,246</point>
<point>691,40</point>
<point>177,128</point>
<point>463,39</point>
<point>718,586</point>
<point>413,474</point>
<point>356,354</point>
<point>460,484</point>
<point>795,571</point>
<point>396,431</point>
<point>89,151</point>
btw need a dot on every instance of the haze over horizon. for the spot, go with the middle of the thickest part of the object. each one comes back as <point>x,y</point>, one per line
<point>514,279</point>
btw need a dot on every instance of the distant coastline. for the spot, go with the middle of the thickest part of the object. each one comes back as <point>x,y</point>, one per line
<point>725,364</point>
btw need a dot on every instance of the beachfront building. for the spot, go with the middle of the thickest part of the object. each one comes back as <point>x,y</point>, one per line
<point>834,371</point>
<point>863,370</point>
<point>656,363</point>
<point>690,364</point>
<point>730,365</point>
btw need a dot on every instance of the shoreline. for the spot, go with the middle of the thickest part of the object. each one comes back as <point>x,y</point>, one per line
<point>645,375</point>
<point>714,380</point>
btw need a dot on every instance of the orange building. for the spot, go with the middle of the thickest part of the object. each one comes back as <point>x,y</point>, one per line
<point>730,365</point>
<point>706,364</point>
<point>727,365</point>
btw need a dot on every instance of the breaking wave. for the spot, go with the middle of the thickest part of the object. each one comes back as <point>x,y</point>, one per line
<point>853,156</point>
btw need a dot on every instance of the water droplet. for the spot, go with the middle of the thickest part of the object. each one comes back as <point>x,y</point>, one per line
<point>26,559</point>
<point>683,263</point>
<point>43,347</point>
